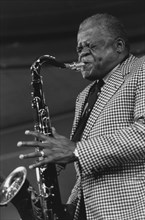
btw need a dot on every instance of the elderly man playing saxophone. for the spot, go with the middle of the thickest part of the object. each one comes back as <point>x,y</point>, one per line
<point>107,143</point>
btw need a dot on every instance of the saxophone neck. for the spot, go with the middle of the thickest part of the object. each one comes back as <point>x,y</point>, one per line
<point>51,61</point>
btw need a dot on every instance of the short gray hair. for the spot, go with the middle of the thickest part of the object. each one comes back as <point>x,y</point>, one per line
<point>109,23</point>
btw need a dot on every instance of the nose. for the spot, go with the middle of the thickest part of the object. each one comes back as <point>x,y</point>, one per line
<point>83,53</point>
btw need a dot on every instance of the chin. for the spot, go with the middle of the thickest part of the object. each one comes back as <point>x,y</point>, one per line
<point>86,74</point>
<point>89,77</point>
<point>89,74</point>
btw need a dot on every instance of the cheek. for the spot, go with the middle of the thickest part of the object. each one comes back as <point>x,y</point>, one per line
<point>103,57</point>
<point>98,61</point>
<point>101,63</point>
<point>98,57</point>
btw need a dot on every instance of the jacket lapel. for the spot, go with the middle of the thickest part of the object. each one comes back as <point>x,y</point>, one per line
<point>115,81</point>
<point>79,106</point>
<point>107,92</point>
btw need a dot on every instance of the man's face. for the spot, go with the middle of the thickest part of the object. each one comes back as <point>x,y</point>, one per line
<point>97,50</point>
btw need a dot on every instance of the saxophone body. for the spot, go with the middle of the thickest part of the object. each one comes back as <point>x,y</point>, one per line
<point>48,187</point>
<point>46,204</point>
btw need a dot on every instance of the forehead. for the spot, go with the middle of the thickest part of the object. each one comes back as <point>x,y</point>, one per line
<point>89,33</point>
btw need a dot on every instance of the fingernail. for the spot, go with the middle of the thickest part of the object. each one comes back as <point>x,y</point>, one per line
<point>21,156</point>
<point>31,167</point>
<point>19,144</point>
<point>27,132</point>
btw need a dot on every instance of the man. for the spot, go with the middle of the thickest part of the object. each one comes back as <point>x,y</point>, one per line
<point>109,148</point>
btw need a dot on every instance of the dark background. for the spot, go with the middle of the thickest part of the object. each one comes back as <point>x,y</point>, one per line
<point>29,29</point>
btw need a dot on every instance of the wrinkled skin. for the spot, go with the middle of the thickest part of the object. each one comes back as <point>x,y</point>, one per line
<point>100,51</point>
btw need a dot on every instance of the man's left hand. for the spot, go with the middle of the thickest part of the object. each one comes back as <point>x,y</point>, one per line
<point>57,149</point>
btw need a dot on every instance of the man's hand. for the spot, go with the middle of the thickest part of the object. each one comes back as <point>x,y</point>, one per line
<point>57,149</point>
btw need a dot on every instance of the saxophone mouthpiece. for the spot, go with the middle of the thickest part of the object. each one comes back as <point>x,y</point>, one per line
<point>78,66</point>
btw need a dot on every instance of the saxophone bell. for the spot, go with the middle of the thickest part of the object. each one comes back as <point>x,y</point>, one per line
<point>17,190</point>
<point>12,185</point>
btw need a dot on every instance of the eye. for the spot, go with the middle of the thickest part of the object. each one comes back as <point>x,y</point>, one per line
<point>87,45</point>
<point>93,46</point>
<point>82,46</point>
<point>79,49</point>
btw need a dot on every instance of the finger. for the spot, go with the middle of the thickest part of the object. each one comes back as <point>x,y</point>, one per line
<point>31,155</point>
<point>55,134</point>
<point>50,159</point>
<point>41,163</point>
<point>31,144</point>
<point>53,130</point>
<point>36,134</point>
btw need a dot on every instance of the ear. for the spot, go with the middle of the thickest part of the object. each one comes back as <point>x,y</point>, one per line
<point>119,44</point>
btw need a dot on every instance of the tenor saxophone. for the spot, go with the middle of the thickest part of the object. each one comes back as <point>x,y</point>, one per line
<point>48,200</point>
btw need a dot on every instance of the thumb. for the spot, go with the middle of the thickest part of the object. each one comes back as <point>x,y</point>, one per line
<point>54,132</point>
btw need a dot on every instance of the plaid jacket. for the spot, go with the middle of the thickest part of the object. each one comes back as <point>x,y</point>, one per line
<point>111,167</point>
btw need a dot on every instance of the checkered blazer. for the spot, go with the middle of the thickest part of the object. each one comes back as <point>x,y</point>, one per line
<point>111,167</point>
